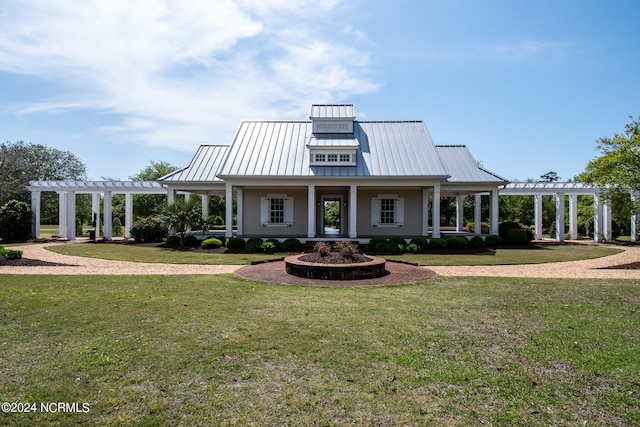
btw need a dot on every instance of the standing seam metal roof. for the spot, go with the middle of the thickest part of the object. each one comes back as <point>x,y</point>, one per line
<point>203,167</point>
<point>332,111</point>
<point>463,167</point>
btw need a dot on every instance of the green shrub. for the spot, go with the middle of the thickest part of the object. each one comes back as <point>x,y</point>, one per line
<point>149,229</point>
<point>346,248</point>
<point>476,242</point>
<point>399,241</point>
<point>505,226</point>
<point>78,227</point>
<point>517,236</point>
<point>211,243</point>
<point>493,240</point>
<point>15,220</point>
<point>484,227</point>
<point>116,227</point>
<point>236,243</point>
<point>378,244</point>
<point>173,241</point>
<point>254,244</point>
<point>191,241</point>
<point>457,242</point>
<point>421,242</point>
<point>10,254</point>
<point>438,243</point>
<point>268,247</point>
<point>277,246</point>
<point>393,247</point>
<point>412,248</point>
<point>322,248</point>
<point>291,245</point>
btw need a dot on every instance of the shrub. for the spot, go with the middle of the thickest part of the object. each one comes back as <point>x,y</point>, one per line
<point>191,241</point>
<point>493,240</point>
<point>505,226</point>
<point>268,247</point>
<point>457,242</point>
<point>322,248</point>
<point>116,227</point>
<point>393,247</point>
<point>291,245</point>
<point>211,243</point>
<point>517,236</point>
<point>235,243</point>
<point>421,242</point>
<point>173,241</point>
<point>476,242</point>
<point>149,229</point>
<point>438,243</point>
<point>346,248</point>
<point>78,227</point>
<point>10,254</point>
<point>484,227</point>
<point>254,244</point>
<point>399,241</point>
<point>277,246</point>
<point>412,248</point>
<point>378,244</point>
<point>15,220</point>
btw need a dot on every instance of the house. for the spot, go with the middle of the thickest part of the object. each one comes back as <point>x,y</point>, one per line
<point>384,177</point>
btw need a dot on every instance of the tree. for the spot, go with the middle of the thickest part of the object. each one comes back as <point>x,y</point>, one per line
<point>550,176</point>
<point>15,220</point>
<point>147,204</point>
<point>181,216</point>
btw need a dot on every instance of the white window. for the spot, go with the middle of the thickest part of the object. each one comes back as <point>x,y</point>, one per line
<point>345,158</point>
<point>320,157</point>
<point>387,210</point>
<point>276,210</point>
<point>332,157</point>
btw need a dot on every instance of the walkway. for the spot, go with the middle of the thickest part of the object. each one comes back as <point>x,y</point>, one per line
<point>595,268</point>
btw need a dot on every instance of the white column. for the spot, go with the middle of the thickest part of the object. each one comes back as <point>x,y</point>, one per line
<point>95,212</point>
<point>606,219</point>
<point>477,214</point>
<point>559,217</point>
<point>537,201</point>
<point>436,211</point>
<point>459,212</point>
<point>228,220</point>
<point>107,210</point>
<point>425,212</point>
<point>205,206</point>
<point>634,216</point>
<point>494,212</point>
<point>128,214</point>
<point>35,213</point>
<point>573,216</point>
<point>62,214</point>
<point>597,218</point>
<point>171,195</point>
<point>71,215</point>
<point>311,211</point>
<point>353,211</point>
<point>240,209</point>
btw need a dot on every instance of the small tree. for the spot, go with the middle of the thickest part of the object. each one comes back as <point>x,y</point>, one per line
<point>181,216</point>
<point>15,220</point>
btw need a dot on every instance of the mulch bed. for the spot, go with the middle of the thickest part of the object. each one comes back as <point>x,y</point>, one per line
<point>333,258</point>
<point>630,266</point>
<point>26,262</point>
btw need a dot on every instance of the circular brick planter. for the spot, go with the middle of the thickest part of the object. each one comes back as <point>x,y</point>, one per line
<point>355,271</point>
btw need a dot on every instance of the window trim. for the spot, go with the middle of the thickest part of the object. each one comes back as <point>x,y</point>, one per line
<point>266,212</point>
<point>377,212</point>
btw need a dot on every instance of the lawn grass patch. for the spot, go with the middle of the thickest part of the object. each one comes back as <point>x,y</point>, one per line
<point>203,350</point>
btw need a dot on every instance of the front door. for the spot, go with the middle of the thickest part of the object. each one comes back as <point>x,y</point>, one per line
<point>332,216</point>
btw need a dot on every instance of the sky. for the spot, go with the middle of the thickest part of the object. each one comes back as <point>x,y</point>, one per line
<point>529,86</point>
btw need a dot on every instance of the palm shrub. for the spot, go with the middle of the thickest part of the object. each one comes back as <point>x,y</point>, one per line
<point>211,243</point>
<point>15,220</point>
<point>254,244</point>
<point>182,216</point>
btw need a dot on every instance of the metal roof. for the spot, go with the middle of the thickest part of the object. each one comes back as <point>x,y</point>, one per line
<point>337,140</point>
<point>203,167</point>
<point>332,111</point>
<point>463,168</point>
<point>386,149</point>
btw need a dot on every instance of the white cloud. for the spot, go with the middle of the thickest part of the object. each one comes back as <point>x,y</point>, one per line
<point>182,73</point>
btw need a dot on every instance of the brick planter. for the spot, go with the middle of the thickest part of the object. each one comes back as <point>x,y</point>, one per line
<point>354,271</point>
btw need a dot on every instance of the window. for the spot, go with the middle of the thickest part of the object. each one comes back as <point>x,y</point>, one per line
<point>387,210</point>
<point>346,158</point>
<point>276,210</point>
<point>332,157</point>
<point>320,157</point>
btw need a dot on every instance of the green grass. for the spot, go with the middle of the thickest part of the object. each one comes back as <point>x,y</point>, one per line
<point>221,350</point>
<point>551,253</point>
<point>120,252</point>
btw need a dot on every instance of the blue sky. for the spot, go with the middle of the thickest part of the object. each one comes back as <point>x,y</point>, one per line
<point>528,86</point>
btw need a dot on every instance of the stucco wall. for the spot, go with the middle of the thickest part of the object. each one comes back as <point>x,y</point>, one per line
<point>412,213</point>
<point>251,214</point>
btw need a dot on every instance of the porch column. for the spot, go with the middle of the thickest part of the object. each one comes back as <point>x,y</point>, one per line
<point>239,208</point>
<point>95,212</point>
<point>311,207</point>
<point>108,220</point>
<point>459,212</point>
<point>634,217</point>
<point>228,220</point>
<point>494,212</point>
<point>35,213</point>
<point>205,206</point>
<point>171,195</point>
<point>573,216</point>
<point>436,211</point>
<point>62,214</point>
<point>559,217</point>
<point>597,218</point>
<point>477,214</point>
<point>425,212</point>
<point>71,215</point>
<point>128,214</point>
<point>353,211</point>
<point>607,230</point>
<point>538,215</point>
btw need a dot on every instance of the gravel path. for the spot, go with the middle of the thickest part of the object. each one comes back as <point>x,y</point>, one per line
<point>595,268</point>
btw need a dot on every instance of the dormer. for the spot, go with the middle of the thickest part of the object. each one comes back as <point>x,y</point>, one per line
<point>332,118</point>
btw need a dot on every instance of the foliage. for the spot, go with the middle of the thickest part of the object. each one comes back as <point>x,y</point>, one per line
<point>484,226</point>
<point>421,242</point>
<point>457,242</point>
<point>332,214</point>
<point>190,241</point>
<point>346,248</point>
<point>476,242</point>
<point>438,243</point>
<point>173,241</point>
<point>15,220</point>
<point>268,247</point>
<point>394,247</point>
<point>493,240</point>
<point>505,226</point>
<point>148,204</point>
<point>149,229</point>
<point>10,253</point>
<point>235,243</point>
<point>550,176</point>
<point>254,244</point>
<point>180,216</point>
<point>291,245</point>
<point>517,236</point>
<point>116,227</point>
<point>277,246</point>
<point>412,248</point>
<point>211,243</point>
<point>378,244</point>
<point>399,241</point>
<point>322,248</point>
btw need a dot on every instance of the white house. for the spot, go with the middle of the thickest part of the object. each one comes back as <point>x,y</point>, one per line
<point>383,176</point>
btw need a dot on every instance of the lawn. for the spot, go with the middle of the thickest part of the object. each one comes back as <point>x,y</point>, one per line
<point>550,253</point>
<point>221,350</point>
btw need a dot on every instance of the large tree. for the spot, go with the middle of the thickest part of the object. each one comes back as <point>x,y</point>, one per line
<point>148,204</point>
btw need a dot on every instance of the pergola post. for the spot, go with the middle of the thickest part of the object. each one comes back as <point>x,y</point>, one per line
<point>353,211</point>
<point>436,211</point>
<point>425,212</point>
<point>228,220</point>
<point>311,208</point>
<point>128,214</point>
<point>240,210</point>
<point>606,220</point>
<point>71,215</point>
<point>108,213</point>
<point>559,217</point>
<point>597,219</point>
<point>35,213</point>
<point>459,212</point>
<point>494,212</point>
<point>205,206</point>
<point>634,217</point>
<point>573,216</point>
<point>538,215</point>
<point>62,213</point>
<point>477,214</point>
<point>95,212</point>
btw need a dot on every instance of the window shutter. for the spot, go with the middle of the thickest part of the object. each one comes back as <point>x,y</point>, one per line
<point>288,210</point>
<point>400,211</point>
<point>264,210</point>
<point>375,211</point>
